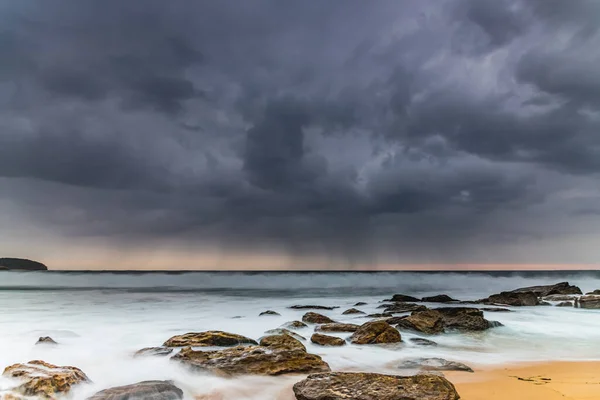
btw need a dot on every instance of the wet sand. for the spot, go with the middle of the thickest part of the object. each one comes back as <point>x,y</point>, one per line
<point>543,381</point>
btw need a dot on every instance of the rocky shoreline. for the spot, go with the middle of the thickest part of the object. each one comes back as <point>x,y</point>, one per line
<point>283,352</point>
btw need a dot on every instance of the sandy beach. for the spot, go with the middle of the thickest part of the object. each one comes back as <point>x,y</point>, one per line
<point>543,381</point>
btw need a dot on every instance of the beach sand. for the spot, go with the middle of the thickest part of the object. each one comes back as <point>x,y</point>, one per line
<point>543,381</point>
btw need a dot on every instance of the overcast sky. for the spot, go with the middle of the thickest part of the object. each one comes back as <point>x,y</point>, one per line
<point>299,134</point>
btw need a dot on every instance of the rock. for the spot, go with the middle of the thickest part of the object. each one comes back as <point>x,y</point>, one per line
<point>495,309</point>
<point>597,291</point>
<point>544,303</point>
<point>517,299</point>
<point>440,298</point>
<point>547,290</point>
<point>282,342</point>
<point>22,264</point>
<point>46,340</point>
<point>337,327</point>
<point>209,338</point>
<point>463,319</point>
<point>430,322</point>
<point>398,308</point>
<point>153,351</point>
<point>423,342</point>
<point>43,379</point>
<point>375,332</point>
<point>294,325</point>
<point>312,308</point>
<point>588,301</point>
<point>402,298</point>
<point>253,360</point>
<point>283,331</point>
<point>360,303</point>
<point>147,390</point>
<point>352,311</point>
<point>315,318</point>
<point>268,312</point>
<point>379,315</point>
<point>565,304</point>
<point>434,364</point>
<point>560,297</point>
<point>326,340</point>
<point>369,386</point>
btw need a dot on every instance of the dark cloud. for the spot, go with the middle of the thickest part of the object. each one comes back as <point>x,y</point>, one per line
<point>404,131</point>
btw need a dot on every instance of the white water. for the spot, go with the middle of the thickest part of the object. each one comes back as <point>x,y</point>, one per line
<point>101,319</point>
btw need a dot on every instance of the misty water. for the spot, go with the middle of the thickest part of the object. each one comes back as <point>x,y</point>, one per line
<point>101,319</point>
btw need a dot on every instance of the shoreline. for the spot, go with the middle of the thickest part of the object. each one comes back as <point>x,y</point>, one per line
<point>554,380</point>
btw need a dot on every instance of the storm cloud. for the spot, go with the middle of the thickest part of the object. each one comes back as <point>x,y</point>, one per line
<point>362,133</point>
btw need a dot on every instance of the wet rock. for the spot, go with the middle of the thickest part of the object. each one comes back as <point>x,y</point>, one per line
<point>268,312</point>
<point>560,297</point>
<point>565,304</point>
<point>434,364</point>
<point>375,332</point>
<point>379,315</point>
<point>283,331</point>
<point>547,290</point>
<point>294,325</point>
<point>402,298</point>
<point>430,322</point>
<point>337,327</point>
<point>326,340</point>
<point>208,338</point>
<point>352,311</point>
<point>495,324</point>
<point>312,308</point>
<point>360,303</point>
<point>463,319</point>
<point>153,351</point>
<point>398,308</point>
<point>440,298</point>
<point>423,342</point>
<point>588,301</point>
<point>315,318</point>
<point>43,379</point>
<point>517,299</point>
<point>147,390</point>
<point>495,309</point>
<point>252,360</point>
<point>282,342</point>
<point>46,340</point>
<point>369,386</point>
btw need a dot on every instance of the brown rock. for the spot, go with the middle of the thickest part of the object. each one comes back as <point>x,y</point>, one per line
<point>283,331</point>
<point>147,390</point>
<point>315,318</point>
<point>430,322</point>
<point>376,332</point>
<point>209,338</point>
<point>547,290</point>
<point>368,386</point>
<point>588,301</point>
<point>282,342</point>
<point>326,340</point>
<point>294,325</point>
<point>337,327</point>
<point>153,351</point>
<point>43,379</point>
<point>352,311</point>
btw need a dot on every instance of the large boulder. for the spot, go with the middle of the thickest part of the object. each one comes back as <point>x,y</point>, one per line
<point>253,360</point>
<point>548,290</point>
<point>429,322</point>
<point>463,319</point>
<point>434,364</point>
<point>401,298</point>
<point>208,338</point>
<point>43,379</point>
<point>282,342</point>
<point>516,299</point>
<point>369,386</point>
<point>375,332</point>
<point>21,264</point>
<point>588,301</point>
<point>440,298</point>
<point>316,318</point>
<point>326,340</point>
<point>337,327</point>
<point>147,390</point>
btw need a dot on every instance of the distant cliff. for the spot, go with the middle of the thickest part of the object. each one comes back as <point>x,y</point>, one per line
<point>21,264</point>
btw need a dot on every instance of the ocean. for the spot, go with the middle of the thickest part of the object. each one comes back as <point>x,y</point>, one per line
<point>101,318</point>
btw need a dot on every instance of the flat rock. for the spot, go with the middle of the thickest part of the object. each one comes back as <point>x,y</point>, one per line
<point>310,307</point>
<point>402,298</point>
<point>434,364</point>
<point>43,379</point>
<point>282,342</point>
<point>46,340</point>
<point>337,327</point>
<point>294,325</point>
<point>547,290</point>
<point>208,338</point>
<point>147,390</point>
<point>252,360</point>
<point>430,322</point>
<point>352,311</point>
<point>268,312</point>
<point>316,318</point>
<point>379,315</point>
<point>153,351</point>
<point>440,298</point>
<point>326,340</point>
<point>517,299</point>
<point>375,332</point>
<point>369,386</point>
<point>423,342</point>
<point>283,331</point>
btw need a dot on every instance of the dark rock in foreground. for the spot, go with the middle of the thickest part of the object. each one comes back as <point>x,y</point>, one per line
<point>326,340</point>
<point>423,342</point>
<point>46,340</point>
<point>547,290</point>
<point>312,308</point>
<point>209,338</point>
<point>268,312</point>
<point>153,351</point>
<point>440,298</point>
<point>402,298</point>
<point>43,379</point>
<point>147,390</point>
<point>375,332</point>
<point>316,318</point>
<point>368,386</point>
<point>336,327</point>
<point>434,364</point>
<point>21,264</point>
<point>352,311</point>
